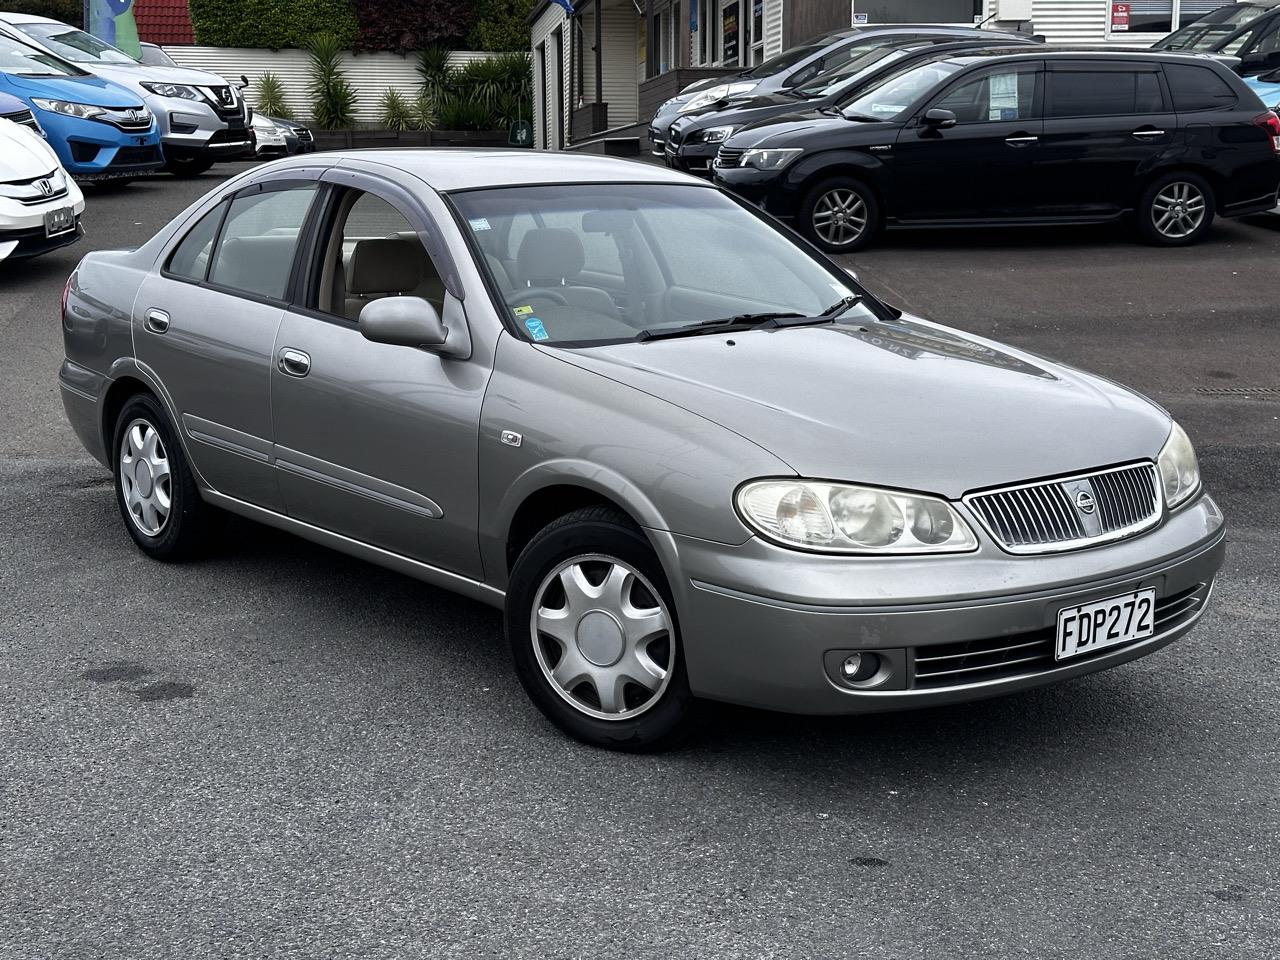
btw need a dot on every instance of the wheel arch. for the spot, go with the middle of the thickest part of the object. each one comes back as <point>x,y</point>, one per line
<point>1215,180</point>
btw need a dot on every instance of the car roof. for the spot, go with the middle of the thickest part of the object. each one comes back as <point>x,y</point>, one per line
<point>27,18</point>
<point>1053,52</point>
<point>458,168</point>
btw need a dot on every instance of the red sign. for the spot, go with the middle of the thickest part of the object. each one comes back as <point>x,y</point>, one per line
<point>1119,16</point>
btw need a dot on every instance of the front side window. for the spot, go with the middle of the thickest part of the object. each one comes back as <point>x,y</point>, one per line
<point>76,45</point>
<point>895,94</point>
<point>604,262</point>
<point>1007,95</point>
<point>259,238</point>
<point>24,61</point>
<point>1104,93</point>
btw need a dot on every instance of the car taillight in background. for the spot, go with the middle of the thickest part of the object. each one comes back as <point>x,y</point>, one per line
<point>1271,123</point>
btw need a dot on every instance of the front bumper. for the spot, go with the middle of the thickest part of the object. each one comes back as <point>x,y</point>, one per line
<point>767,627</point>
<point>765,188</point>
<point>92,148</point>
<point>22,229</point>
<point>694,158</point>
<point>192,129</point>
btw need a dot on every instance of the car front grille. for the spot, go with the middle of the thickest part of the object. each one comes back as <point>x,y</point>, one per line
<point>24,118</point>
<point>1074,512</point>
<point>224,101</point>
<point>303,134</point>
<point>999,658</point>
<point>127,119</point>
<point>729,157</point>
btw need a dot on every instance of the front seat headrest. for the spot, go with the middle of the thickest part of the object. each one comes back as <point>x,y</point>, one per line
<point>549,254</point>
<point>387,266</point>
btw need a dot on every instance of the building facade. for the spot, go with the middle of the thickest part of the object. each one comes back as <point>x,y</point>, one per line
<point>602,70</point>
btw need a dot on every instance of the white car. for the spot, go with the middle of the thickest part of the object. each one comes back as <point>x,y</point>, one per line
<point>40,206</point>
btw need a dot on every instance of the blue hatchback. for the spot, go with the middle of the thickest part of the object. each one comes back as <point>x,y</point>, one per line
<point>96,127</point>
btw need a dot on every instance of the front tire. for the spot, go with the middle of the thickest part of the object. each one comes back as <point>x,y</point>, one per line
<point>183,167</point>
<point>840,215</point>
<point>592,627</point>
<point>155,487</point>
<point>1176,210</point>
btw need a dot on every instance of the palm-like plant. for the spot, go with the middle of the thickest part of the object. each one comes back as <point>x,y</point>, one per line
<point>397,112</point>
<point>333,100</point>
<point>435,72</point>
<point>268,96</point>
<point>425,114</point>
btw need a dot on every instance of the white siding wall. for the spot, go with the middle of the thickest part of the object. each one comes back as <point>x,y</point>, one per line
<point>1073,21</point>
<point>544,87</point>
<point>369,73</point>
<point>620,58</point>
<point>772,28</point>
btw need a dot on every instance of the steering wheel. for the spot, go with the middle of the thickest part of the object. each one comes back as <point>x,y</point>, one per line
<point>525,294</point>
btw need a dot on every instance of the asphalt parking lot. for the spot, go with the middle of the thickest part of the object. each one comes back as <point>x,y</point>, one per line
<point>281,751</point>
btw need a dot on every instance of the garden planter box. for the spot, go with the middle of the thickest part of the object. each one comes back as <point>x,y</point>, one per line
<point>355,139</point>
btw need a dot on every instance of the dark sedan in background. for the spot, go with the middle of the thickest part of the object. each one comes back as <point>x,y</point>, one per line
<point>1018,136</point>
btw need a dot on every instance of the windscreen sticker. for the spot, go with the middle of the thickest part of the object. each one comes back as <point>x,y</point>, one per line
<point>479,223</point>
<point>535,328</point>
<point>522,311</point>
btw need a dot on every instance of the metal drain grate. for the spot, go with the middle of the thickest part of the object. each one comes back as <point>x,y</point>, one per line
<point>1238,391</point>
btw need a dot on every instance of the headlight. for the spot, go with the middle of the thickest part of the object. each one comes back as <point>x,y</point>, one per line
<point>715,93</point>
<point>764,159</point>
<point>843,518</point>
<point>1179,471</point>
<point>85,111</point>
<point>179,91</point>
<point>717,134</point>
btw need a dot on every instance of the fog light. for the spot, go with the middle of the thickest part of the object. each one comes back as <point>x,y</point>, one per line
<point>859,666</point>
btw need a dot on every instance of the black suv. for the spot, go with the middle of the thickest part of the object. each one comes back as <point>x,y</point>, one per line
<point>1015,136</point>
<point>692,141</point>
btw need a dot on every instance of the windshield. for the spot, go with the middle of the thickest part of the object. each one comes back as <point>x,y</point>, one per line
<point>153,56</point>
<point>1209,31</point>
<point>76,45</point>
<point>785,60</point>
<point>839,78</point>
<point>610,262</point>
<point>893,96</point>
<point>23,61</point>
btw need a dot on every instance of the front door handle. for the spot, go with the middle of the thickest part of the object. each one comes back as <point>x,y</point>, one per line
<point>294,363</point>
<point>1149,133</point>
<point>1021,139</point>
<point>157,321</point>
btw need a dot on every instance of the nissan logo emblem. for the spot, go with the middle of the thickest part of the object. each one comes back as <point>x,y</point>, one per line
<point>1084,501</point>
<point>45,187</point>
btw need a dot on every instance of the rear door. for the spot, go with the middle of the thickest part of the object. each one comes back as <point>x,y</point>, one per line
<point>1106,126</point>
<point>982,168</point>
<point>206,323</point>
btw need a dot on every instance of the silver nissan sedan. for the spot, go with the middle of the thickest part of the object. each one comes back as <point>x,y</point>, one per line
<point>688,455</point>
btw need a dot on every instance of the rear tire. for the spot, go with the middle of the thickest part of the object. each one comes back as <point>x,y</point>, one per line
<point>1176,210</point>
<point>592,627</point>
<point>840,215</point>
<point>155,487</point>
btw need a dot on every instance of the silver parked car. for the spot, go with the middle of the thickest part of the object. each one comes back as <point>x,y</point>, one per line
<point>686,453</point>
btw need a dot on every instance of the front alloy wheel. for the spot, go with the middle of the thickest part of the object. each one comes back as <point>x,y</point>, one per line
<point>840,215</point>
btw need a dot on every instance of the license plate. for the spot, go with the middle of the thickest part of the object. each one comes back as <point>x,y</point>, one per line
<point>59,221</point>
<point>1105,623</point>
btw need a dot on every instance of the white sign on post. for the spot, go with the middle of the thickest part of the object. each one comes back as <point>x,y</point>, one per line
<point>856,18</point>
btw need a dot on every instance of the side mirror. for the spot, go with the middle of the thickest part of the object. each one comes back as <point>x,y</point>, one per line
<point>403,322</point>
<point>244,81</point>
<point>939,119</point>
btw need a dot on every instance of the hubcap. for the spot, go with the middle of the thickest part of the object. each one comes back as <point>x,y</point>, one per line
<point>144,478</point>
<point>840,216</point>
<point>1178,210</point>
<point>603,638</point>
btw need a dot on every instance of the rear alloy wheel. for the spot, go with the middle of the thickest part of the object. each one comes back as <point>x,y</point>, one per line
<point>593,633</point>
<point>840,215</point>
<point>1177,210</point>
<point>155,487</point>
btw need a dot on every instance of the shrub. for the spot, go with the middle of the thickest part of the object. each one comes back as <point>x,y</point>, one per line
<point>403,25</point>
<point>397,112</point>
<point>333,101</point>
<point>460,111</point>
<point>424,112</point>
<point>268,95</point>
<point>435,72</point>
<point>274,24</point>
<point>501,25</point>
<point>68,11</point>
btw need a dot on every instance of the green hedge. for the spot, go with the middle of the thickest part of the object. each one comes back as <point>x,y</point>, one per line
<point>68,11</point>
<point>273,24</point>
<point>501,25</point>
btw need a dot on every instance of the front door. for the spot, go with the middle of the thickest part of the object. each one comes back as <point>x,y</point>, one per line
<point>1106,124</point>
<point>377,442</point>
<point>206,323</point>
<point>983,167</point>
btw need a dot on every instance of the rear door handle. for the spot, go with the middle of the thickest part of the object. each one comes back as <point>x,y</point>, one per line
<point>1140,134</point>
<point>294,363</point>
<point>1021,139</point>
<point>157,321</point>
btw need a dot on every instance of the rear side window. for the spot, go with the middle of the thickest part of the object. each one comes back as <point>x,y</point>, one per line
<point>1197,88</point>
<point>1106,93</point>
<point>258,241</point>
<point>190,259</point>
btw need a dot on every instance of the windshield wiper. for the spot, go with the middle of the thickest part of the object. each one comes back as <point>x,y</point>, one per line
<point>750,321</point>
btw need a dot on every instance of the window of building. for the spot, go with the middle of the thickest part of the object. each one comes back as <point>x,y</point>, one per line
<point>1155,16</point>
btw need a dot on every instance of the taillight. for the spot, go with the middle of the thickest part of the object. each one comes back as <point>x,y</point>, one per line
<point>1271,123</point>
